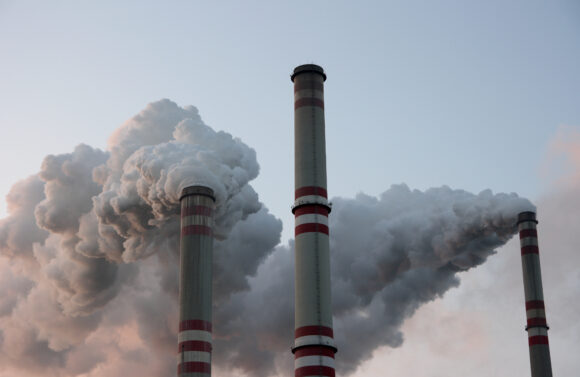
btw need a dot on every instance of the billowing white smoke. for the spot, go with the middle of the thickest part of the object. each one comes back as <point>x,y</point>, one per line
<point>388,256</point>
<point>89,273</point>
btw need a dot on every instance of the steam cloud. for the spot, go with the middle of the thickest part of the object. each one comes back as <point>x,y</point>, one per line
<point>89,267</point>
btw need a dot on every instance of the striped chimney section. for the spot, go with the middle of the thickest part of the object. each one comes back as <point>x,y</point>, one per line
<point>536,327</point>
<point>314,346</point>
<point>195,291</point>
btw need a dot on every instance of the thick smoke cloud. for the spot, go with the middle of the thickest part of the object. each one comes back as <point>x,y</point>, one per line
<point>90,246</point>
<point>89,267</point>
<point>390,255</point>
<point>488,310</point>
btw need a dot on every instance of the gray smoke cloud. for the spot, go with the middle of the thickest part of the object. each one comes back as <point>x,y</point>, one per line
<point>389,255</point>
<point>89,267</point>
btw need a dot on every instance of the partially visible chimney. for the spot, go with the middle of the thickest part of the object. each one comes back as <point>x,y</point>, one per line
<point>536,327</point>
<point>314,346</point>
<point>195,282</point>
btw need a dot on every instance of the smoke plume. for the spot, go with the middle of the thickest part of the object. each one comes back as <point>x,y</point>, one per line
<point>89,267</point>
<point>389,255</point>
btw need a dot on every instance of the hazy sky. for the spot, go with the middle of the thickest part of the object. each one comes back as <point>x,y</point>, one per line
<point>473,95</point>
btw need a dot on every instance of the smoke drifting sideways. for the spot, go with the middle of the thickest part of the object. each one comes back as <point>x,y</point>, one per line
<point>389,255</point>
<point>89,266</point>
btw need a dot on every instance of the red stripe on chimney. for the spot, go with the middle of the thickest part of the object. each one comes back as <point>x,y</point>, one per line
<point>195,324</point>
<point>310,190</point>
<point>310,228</point>
<point>537,339</point>
<point>530,249</point>
<point>315,370</point>
<point>196,210</point>
<point>196,229</point>
<point>313,351</point>
<point>194,367</point>
<point>309,101</point>
<point>311,209</point>
<point>313,330</point>
<point>535,304</point>
<point>194,345</point>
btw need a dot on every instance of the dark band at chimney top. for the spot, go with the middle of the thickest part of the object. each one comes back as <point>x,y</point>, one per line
<point>197,190</point>
<point>308,68</point>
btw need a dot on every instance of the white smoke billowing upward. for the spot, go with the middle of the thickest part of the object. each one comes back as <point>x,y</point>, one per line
<point>90,246</point>
<point>153,158</point>
<point>89,274</point>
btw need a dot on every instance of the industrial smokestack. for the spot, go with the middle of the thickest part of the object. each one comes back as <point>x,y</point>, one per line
<point>314,346</point>
<point>195,290</point>
<point>537,327</point>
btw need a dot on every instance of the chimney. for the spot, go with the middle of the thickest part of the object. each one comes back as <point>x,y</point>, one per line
<point>195,279</point>
<point>536,327</point>
<point>314,346</point>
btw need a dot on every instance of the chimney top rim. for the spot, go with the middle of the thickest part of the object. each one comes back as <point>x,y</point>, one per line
<point>308,68</point>
<point>197,190</point>
<point>527,216</point>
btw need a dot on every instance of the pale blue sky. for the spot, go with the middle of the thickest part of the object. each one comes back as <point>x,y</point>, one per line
<point>462,93</point>
<point>426,93</point>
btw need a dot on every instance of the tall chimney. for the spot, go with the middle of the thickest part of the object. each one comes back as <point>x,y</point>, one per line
<point>314,346</point>
<point>537,327</point>
<point>195,291</point>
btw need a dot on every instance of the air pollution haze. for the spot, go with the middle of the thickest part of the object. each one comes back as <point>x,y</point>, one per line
<point>89,267</point>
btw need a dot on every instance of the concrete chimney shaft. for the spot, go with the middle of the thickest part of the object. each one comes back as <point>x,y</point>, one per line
<point>536,327</point>
<point>195,282</point>
<point>314,346</point>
